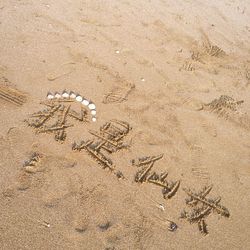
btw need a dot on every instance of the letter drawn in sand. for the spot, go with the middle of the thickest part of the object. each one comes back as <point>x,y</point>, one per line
<point>59,110</point>
<point>145,174</point>
<point>202,208</point>
<point>109,139</point>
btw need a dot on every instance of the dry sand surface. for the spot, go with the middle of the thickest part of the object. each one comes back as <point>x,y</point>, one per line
<point>178,72</point>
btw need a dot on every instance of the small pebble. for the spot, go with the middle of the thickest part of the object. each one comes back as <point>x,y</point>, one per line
<point>172,226</point>
<point>93,112</point>
<point>117,51</point>
<point>94,119</point>
<point>142,79</point>
<point>47,225</point>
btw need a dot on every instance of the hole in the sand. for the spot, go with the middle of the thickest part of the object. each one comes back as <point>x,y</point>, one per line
<point>80,229</point>
<point>105,226</point>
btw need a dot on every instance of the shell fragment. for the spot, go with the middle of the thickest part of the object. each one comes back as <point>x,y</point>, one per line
<point>57,95</point>
<point>65,95</point>
<point>91,106</point>
<point>72,95</point>
<point>79,98</point>
<point>85,102</point>
<point>50,96</point>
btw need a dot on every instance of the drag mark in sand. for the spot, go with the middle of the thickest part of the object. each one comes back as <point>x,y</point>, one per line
<point>12,95</point>
<point>118,94</point>
<point>64,70</point>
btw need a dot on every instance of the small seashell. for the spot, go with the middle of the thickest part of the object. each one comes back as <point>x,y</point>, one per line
<point>91,106</point>
<point>65,94</point>
<point>79,98</point>
<point>85,102</point>
<point>57,95</point>
<point>161,207</point>
<point>94,119</point>
<point>72,95</point>
<point>50,96</point>
<point>93,112</point>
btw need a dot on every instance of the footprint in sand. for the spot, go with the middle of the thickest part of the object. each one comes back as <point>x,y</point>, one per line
<point>193,104</point>
<point>62,70</point>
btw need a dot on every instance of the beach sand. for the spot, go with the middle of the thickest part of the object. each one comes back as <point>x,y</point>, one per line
<point>177,71</point>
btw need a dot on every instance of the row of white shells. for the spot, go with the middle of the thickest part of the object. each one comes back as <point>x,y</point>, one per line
<point>78,98</point>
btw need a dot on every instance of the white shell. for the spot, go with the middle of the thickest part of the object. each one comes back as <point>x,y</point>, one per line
<point>161,207</point>
<point>91,106</point>
<point>93,112</point>
<point>65,95</point>
<point>85,102</point>
<point>57,96</point>
<point>72,95</point>
<point>50,96</point>
<point>94,119</point>
<point>79,98</point>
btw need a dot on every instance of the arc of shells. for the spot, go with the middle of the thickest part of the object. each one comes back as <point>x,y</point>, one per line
<point>71,95</point>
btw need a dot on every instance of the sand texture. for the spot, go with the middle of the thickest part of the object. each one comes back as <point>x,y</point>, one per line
<point>160,159</point>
